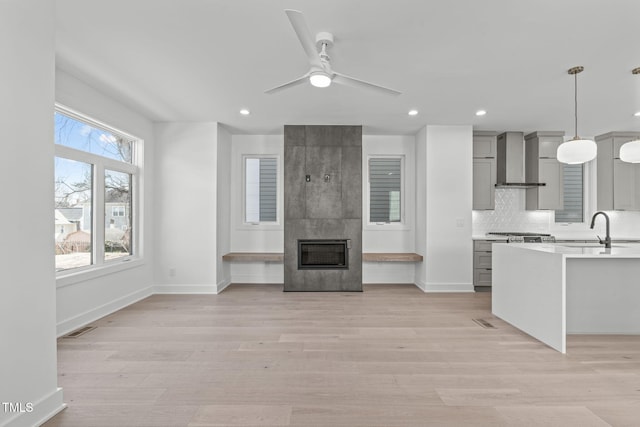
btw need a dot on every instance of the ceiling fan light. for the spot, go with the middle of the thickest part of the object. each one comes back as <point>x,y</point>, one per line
<point>320,79</point>
<point>630,152</point>
<point>577,151</point>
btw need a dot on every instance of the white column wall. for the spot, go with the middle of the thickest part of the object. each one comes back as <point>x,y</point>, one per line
<point>421,207</point>
<point>223,269</point>
<point>28,372</point>
<point>186,207</point>
<point>445,154</point>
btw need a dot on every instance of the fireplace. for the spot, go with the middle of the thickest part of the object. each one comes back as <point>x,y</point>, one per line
<point>326,254</point>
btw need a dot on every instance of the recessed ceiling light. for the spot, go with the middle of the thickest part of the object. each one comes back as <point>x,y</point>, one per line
<point>413,112</point>
<point>637,114</point>
<point>245,112</point>
<point>481,113</point>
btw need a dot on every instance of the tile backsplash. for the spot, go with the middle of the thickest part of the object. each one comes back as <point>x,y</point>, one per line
<point>510,214</point>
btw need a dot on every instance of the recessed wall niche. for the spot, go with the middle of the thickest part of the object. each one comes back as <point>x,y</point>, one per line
<point>323,201</point>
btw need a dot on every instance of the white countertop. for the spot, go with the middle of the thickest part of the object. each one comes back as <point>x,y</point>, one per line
<point>591,238</point>
<point>585,250</point>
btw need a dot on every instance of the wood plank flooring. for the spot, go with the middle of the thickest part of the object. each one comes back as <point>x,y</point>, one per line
<point>389,356</point>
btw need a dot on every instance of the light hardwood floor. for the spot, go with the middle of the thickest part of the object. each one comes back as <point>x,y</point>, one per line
<point>390,356</point>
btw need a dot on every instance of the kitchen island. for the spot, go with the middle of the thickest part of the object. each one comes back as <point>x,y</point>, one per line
<point>551,290</point>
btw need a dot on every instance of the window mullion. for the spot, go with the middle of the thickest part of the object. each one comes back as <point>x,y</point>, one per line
<point>99,209</point>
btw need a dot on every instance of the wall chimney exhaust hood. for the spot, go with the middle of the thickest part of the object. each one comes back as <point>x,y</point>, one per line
<point>510,162</point>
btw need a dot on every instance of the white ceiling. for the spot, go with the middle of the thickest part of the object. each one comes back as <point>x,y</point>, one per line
<point>204,60</point>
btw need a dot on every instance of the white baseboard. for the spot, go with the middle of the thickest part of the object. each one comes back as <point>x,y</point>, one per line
<point>75,322</point>
<point>253,278</point>
<point>222,285</point>
<point>43,410</point>
<point>185,289</point>
<point>445,287</point>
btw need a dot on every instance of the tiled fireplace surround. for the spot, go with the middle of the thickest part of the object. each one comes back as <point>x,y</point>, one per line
<point>322,200</point>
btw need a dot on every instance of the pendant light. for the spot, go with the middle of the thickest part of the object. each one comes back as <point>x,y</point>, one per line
<point>630,152</point>
<point>577,150</point>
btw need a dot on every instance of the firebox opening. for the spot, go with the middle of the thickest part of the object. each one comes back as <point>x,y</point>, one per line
<point>323,254</point>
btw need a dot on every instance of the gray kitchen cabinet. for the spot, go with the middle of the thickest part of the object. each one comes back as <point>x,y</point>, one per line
<point>484,170</point>
<point>482,253</point>
<point>618,181</point>
<point>541,165</point>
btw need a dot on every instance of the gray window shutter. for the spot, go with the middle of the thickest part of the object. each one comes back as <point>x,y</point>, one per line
<point>268,190</point>
<point>385,182</point>
<point>573,195</point>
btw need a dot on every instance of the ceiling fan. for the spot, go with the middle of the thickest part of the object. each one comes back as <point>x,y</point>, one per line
<point>320,74</point>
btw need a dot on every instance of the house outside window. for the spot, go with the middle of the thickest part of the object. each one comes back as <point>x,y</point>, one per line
<point>573,187</point>
<point>260,190</point>
<point>96,175</point>
<point>385,195</point>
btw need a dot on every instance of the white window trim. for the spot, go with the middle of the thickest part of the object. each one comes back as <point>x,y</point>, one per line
<point>588,203</point>
<point>392,226</point>
<point>100,266</point>
<point>270,225</point>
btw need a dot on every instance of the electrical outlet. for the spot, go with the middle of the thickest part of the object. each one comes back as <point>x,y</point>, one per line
<point>459,222</point>
<point>172,272</point>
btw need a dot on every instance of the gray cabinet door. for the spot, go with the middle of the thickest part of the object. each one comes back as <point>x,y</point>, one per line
<point>484,146</point>
<point>551,196</point>
<point>484,181</point>
<point>625,186</point>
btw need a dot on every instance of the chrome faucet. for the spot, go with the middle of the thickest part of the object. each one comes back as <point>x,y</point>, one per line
<point>607,240</point>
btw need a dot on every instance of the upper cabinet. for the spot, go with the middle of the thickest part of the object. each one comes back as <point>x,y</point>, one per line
<point>541,165</point>
<point>484,170</point>
<point>618,181</point>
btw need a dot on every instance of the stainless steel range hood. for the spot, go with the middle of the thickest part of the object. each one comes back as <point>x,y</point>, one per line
<point>510,162</point>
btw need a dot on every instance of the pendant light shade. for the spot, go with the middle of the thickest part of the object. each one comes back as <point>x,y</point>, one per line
<point>630,152</point>
<point>577,150</point>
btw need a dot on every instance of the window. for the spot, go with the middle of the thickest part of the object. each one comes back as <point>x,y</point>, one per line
<point>573,187</point>
<point>117,211</point>
<point>386,181</point>
<point>95,178</point>
<point>260,190</point>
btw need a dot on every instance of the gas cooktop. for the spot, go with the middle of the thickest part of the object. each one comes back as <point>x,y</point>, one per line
<point>515,233</point>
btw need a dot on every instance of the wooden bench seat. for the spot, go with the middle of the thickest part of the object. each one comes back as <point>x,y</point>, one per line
<point>279,257</point>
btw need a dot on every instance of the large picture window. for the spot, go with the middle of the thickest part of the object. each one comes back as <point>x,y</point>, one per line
<point>95,180</point>
<point>260,190</point>
<point>385,190</point>
<point>573,187</point>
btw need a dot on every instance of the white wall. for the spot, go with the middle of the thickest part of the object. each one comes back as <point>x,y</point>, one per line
<point>445,153</point>
<point>82,298</point>
<point>421,206</point>
<point>186,207</point>
<point>27,304</point>
<point>223,230</point>
<point>255,238</point>
<point>389,237</point>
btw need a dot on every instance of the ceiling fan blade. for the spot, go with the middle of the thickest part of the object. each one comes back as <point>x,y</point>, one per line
<point>304,35</point>
<point>292,83</point>
<point>352,81</point>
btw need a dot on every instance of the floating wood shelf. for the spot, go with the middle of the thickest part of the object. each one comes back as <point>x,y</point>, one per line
<point>279,257</point>
<point>254,256</point>
<point>391,257</point>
